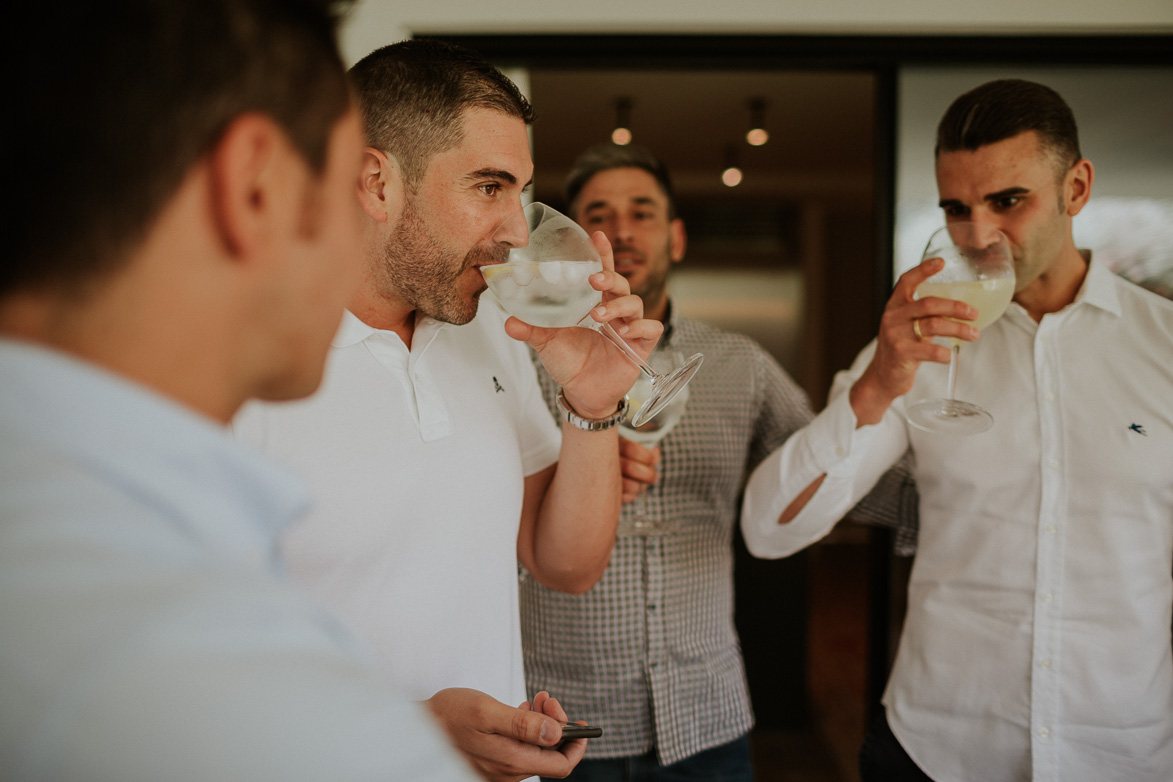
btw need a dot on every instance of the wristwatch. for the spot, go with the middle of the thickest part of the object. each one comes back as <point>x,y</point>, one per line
<point>586,424</point>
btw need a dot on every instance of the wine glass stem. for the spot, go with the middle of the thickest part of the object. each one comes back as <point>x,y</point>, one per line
<point>618,341</point>
<point>643,501</point>
<point>953,372</point>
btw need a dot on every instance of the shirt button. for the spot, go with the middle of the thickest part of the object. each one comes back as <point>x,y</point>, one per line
<point>1050,528</point>
<point>840,452</point>
<point>1049,397</point>
<point>1053,464</point>
<point>1047,598</point>
<point>1044,732</point>
<point>1045,664</point>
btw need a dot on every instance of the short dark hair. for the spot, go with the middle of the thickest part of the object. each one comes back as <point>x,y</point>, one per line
<point>413,94</point>
<point>115,101</point>
<point>606,156</point>
<point>1001,109</point>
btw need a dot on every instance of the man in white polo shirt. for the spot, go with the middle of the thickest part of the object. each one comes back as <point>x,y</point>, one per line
<point>429,445</point>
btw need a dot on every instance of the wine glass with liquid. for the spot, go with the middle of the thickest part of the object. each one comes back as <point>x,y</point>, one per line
<point>547,284</point>
<point>649,434</point>
<point>979,270</point>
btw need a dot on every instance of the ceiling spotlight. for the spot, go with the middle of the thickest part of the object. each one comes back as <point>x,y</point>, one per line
<point>731,176</point>
<point>622,133</point>
<point>757,134</point>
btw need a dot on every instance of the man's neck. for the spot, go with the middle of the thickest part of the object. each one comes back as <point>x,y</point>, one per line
<point>387,314</point>
<point>1056,288</point>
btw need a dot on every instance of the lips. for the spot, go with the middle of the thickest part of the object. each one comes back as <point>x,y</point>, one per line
<point>627,259</point>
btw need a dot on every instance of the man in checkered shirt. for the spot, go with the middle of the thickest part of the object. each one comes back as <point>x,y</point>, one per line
<point>651,653</point>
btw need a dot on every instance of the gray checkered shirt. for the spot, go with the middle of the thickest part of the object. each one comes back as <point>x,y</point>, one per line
<point>651,653</point>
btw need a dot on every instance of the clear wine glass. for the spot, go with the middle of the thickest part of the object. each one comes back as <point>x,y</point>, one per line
<point>546,283</point>
<point>979,270</point>
<point>650,434</point>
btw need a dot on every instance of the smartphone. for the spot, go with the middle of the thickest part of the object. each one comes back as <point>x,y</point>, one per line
<point>581,732</point>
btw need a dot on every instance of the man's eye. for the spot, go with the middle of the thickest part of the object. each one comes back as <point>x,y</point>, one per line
<point>1008,202</point>
<point>956,211</point>
<point>490,188</point>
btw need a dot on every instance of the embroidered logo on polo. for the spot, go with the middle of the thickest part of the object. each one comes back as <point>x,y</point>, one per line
<point>1139,429</point>
<point>497,385</point>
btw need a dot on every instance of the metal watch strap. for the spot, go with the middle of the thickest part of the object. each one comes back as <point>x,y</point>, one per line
<point>586,424</point>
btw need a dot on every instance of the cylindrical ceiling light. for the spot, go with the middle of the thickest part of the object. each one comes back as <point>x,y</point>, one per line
<point>757,135</point>
<point>731,176</point>
<point>621,135</point>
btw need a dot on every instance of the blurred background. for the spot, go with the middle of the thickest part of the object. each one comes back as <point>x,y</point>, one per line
<point>798,247</point>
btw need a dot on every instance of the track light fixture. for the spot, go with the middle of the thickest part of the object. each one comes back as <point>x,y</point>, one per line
<point>731,176</point>
<point>757,135</point>
<point>621,135</point>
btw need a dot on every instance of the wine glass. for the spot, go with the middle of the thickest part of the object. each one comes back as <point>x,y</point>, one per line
<point>546,283</point>
<point>979,270</point>
<point>650,434</point>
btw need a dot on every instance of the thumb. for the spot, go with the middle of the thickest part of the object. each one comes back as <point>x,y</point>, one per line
<point>534,728</point>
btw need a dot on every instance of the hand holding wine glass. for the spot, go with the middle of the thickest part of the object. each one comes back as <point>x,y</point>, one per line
<point>979,271</point>
<point>546,284</point>
<point>649,434</point>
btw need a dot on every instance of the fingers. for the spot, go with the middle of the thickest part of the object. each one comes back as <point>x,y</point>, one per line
<point>603,248</point>
<point>551,708</point>
<point>638,466</point>
<point>906,286</point>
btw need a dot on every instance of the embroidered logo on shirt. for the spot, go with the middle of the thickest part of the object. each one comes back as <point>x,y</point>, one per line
<point>1139,429</point>
<point>497,386</point>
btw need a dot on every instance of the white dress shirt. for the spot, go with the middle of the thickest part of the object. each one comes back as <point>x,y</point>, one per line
<point>1037,640</point>
<point>144,634</point>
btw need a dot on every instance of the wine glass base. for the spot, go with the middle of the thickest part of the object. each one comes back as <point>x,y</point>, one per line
<point>642,528</point>
<point>665,387</point>
<point>949,416</point>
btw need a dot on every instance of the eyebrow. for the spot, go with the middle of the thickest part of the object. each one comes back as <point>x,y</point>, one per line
<point>1010,191</point>
<point>496,173</point>
<point>640,200</point>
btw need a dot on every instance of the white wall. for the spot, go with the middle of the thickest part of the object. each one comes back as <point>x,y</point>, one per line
<point>374,23</point>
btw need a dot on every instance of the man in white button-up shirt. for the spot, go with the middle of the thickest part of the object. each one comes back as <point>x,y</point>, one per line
<point>1036,643</point>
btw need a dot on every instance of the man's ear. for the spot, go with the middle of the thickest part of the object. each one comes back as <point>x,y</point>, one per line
<point>1078,186</point>
<point>249,178</point>
<point>380,186</point>
<point>677,240</point>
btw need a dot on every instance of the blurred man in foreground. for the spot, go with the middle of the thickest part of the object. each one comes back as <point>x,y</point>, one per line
<point>184,239</point>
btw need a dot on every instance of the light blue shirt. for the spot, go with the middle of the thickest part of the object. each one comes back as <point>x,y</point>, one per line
<point>144,631</point>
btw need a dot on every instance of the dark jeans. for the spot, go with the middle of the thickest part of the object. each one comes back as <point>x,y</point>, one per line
<point>882,759</point>
<point>726,763</point>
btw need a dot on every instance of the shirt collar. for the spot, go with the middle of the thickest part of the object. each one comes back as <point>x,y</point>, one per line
<point>1099,287</point>
<point>186,463</point>
<point>352,331</point>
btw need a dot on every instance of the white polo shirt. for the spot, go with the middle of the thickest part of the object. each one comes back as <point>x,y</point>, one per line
<point>417,461</point>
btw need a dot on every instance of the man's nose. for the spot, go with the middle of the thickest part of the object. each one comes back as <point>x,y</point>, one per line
<point>619,229</point>
<point>513,230</point>
<point>985,233</point>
